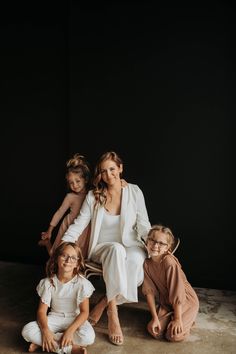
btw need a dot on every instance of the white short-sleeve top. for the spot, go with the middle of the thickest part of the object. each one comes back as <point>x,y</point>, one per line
<point>64,298</point>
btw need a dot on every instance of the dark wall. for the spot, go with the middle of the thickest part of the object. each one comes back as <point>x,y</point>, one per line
<point>155,83</point>
<point>34,123</point>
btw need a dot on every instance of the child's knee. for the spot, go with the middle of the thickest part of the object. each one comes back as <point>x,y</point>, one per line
<point>86,336</point>
<point>91,338</point>
<point>26,330</point>
<point>31,332</point>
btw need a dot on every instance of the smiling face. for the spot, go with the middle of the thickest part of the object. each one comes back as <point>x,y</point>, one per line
<point>110,172</point>
<point>67,260</point>
<point>76,182</point>
<point>157,243</point>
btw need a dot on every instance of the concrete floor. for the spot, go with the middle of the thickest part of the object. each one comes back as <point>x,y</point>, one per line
<point>214,332</point>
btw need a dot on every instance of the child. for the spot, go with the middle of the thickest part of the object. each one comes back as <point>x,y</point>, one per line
<point>78,181</point>
<point>163,278</point>
<point>66,292</point>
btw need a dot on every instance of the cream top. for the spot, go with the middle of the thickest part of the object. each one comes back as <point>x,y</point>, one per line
<point>110,229</point>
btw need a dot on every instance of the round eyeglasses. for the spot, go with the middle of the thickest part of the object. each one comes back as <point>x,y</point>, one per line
<point>67,258</point>
<point>159,243</point>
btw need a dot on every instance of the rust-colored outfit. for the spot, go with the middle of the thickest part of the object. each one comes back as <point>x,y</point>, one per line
<point>71,202</point>
<point>166,280</point>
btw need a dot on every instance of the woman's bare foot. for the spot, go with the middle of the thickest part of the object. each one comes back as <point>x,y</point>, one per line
<point>97,311</point>
<point>33,347</point>
<point>77,349</point>
<point>114,329</point>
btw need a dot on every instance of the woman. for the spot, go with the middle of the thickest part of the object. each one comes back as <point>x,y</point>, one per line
<point>119,220</point>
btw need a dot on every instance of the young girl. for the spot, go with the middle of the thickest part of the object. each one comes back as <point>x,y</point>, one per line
<point>78,181</point>
<point>66,292</point>
<point>163,278</point>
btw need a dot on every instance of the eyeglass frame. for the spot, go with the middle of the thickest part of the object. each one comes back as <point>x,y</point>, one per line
<point>159,243</point>
<point>72,259</point>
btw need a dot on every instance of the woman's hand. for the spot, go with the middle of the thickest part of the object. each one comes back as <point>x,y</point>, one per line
<point>123,183</point>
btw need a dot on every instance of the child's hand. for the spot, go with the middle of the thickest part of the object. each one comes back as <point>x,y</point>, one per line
<point>67,338</point>
<point>123,183</point>
<point>45,235</point>
<point>176,327</point>
<point>154,327</point>
<point>49,344</point>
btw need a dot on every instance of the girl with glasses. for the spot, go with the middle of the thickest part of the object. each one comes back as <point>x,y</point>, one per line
<point>65,292</point>
<point>165,283</point>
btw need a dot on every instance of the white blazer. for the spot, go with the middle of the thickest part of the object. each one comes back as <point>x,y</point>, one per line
<point>134,221</point>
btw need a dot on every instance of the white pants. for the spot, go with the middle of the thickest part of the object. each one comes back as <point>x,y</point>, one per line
<point>85,335</point>
<point>122,270</point>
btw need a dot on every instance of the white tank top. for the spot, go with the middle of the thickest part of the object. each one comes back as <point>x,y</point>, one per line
<point>110,229</point>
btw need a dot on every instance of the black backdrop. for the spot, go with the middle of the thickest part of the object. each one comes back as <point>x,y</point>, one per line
<point>156,83</point>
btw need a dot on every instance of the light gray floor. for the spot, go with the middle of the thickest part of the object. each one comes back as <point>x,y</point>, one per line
<point>214,332</point>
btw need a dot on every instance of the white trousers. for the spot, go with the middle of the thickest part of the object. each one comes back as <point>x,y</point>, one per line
<point>85,335</point>
<point>122,270</point>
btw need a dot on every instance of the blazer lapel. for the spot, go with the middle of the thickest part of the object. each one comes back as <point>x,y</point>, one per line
<point>96,226</point>
<point>124,204</point>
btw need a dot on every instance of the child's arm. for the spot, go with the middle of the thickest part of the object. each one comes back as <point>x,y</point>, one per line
<point>154,325</point>
<point>48,342</point>
<point>66,204</point>
<point>47,234</point>
<point>67,338</point>
<point>176,323</point>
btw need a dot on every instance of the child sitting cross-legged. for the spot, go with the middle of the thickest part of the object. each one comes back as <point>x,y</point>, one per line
<point>66,293</point>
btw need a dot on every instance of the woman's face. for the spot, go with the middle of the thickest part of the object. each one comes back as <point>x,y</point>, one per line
<point>110,172</point>
<point>157,244</point>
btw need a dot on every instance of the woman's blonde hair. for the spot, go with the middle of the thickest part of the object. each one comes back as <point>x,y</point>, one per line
<point>100,186</point>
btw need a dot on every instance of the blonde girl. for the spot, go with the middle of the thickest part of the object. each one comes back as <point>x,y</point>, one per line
<point>78,177</point>
<point>165,280</point>
<point>65,293</point>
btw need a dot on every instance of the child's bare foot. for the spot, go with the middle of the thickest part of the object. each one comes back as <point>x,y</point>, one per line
<point>97,311</point>
<point>33,347</point>
<point>77,349</point>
